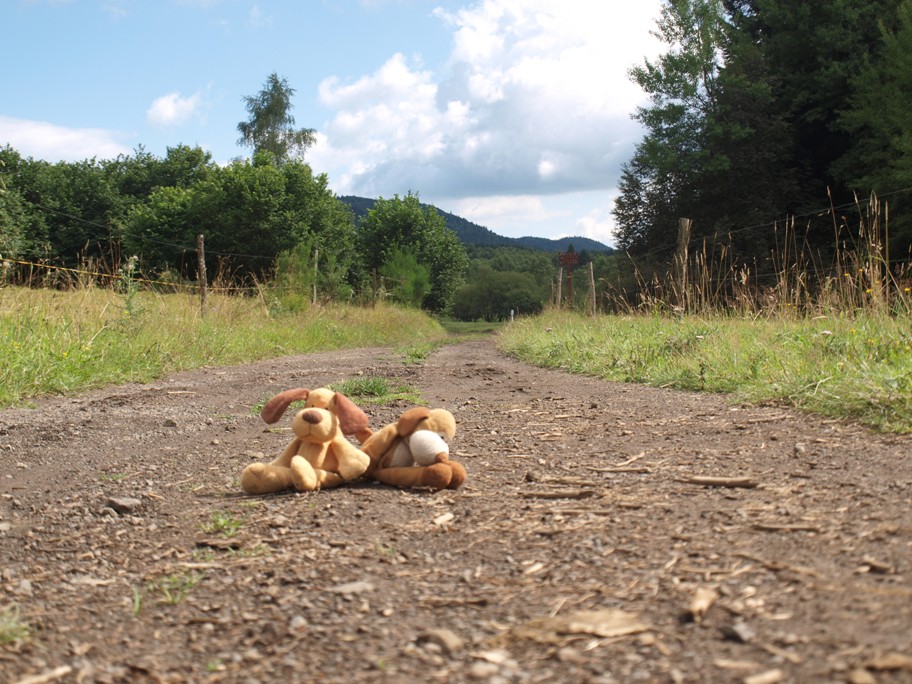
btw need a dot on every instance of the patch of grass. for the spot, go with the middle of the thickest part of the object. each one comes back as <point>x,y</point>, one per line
<point>366,387</point>
<point>203,554</point>
<point>856,368</point>
<point>224,523</point>
<point>385,551</point>
<point>375,389</point>
<point>472,327</point>
<point>55,342</point>
<point>12,627</point>
<point>416,353</point>
<point>175,587</point>
<point>258,551</point>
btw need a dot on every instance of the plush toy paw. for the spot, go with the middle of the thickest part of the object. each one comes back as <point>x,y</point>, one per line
<point>263,478</point>
<point>458,475</point>
<point>303,476</point>
<point>436,477</point>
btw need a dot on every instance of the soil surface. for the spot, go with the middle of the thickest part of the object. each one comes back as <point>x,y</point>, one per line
<point>584,547</point>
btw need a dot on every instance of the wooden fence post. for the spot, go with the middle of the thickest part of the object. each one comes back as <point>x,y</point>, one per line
<point>680,260</point>
<point>591,289</point>
<point>201,275</point>
<point>560,277</point>
<point>316,254</point>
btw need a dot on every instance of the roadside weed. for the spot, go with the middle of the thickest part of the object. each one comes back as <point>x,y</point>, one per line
<point>12,627</point>
<point>174,587</point>
<point>416,353</point>
<point>223,523</point>
<point>385,551</point>
<point>138,596</point>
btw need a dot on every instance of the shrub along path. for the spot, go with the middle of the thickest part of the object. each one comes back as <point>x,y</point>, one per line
<point>607,533</point>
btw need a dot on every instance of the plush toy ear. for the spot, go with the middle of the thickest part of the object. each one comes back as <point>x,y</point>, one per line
<point>275,408</point>
<point>408,421</point>
<point>352,419</point>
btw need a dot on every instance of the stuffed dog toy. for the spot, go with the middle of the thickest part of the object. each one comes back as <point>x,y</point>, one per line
<point>319,456</point>
<point>413,451</point>
<point>352,420</point>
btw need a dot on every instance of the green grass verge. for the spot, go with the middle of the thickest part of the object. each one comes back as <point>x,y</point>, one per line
<point>58,342</point>
<point>854,368</point>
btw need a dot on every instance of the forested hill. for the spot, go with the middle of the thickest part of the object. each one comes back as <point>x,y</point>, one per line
<point>472,234</point>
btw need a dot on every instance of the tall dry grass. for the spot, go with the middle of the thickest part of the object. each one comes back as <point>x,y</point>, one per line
<point>859,276</point>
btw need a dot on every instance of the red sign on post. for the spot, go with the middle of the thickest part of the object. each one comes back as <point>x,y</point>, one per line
<point>568,259</point>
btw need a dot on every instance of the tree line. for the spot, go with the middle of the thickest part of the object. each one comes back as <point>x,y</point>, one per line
<point>269,218</point>
<point>263,218</point>
<point>767,113</point>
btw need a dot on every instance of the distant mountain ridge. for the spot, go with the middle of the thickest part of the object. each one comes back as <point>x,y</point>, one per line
<point>472,234</point>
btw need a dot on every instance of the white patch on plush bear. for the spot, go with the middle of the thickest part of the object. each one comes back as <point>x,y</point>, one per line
<point>425,446</point>
<point>419,448</point>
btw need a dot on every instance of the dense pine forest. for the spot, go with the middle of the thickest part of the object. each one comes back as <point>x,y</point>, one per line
<point>771,120</point>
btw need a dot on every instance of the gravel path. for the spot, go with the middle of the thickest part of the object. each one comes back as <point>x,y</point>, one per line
<point>607,533</point>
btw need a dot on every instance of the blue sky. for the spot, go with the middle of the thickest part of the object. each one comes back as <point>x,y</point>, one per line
<point>514,114</point>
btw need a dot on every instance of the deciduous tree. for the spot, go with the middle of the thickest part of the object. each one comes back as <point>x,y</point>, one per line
<point>403,224</point>
<point>270,127</point>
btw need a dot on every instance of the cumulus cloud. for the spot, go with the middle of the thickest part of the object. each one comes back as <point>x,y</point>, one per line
<point>43,140</point>
<point>534,101</point>
<point>173,110</point>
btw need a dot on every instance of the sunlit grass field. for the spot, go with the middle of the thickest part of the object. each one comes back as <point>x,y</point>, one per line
<point>54,342</point>
<point>858,368</point>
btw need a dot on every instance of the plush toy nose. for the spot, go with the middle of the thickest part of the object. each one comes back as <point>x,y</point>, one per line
<point>312,417</point>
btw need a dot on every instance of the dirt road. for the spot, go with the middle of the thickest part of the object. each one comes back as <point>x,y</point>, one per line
<point>586,546</point>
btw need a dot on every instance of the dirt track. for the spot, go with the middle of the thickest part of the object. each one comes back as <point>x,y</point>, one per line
<point>582,549</point>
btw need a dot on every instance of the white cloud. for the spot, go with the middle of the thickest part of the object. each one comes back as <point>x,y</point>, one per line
<point>586,214</point>
<point>116,9</point>
<point>43,140</point>
<point>489,209</point>
<point>257,19</point>
<point>534,101</point>
<point>172,109</point>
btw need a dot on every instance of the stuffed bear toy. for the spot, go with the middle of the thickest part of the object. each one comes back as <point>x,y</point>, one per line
<point>413,451</point>
<point>319,456</point>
